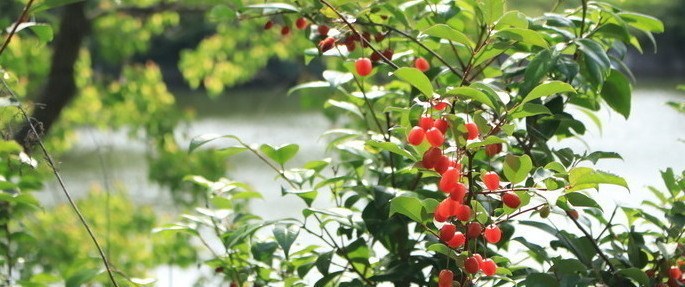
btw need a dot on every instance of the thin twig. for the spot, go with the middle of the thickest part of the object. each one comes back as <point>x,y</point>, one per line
<point>594,243</point>
<point>62,185</point>
<point>361,37</point>
<point>415,40</point>
<point>16,25</point>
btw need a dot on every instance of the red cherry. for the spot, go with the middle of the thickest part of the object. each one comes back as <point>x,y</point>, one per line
<point>426,123</point>
<point>431,157</point>
<point>491,180</point>
<point>363,66</point>
<point>458,192</point>
<point>435,137</point>
<point>416,136</point>
<point>439,214</point>
<point>421,64</point>
<point>573,214</point>
<point>473,131</point>
<point>457,240</point>
<point>471,265</point>
<point>233,284</point>
<point>444,210</point>
<point>473,230</point>
<point>445,278</point>
<point>285,30</point>
<point>511,200</point>
<point>326,44</point>
<point>451,207</point>
<point>463,212</point>
<point>447,232</point>
<point>492,234</point>
<point>268,25</point>
<point>493,149</point>
<point>379,37</point>
<point>301,23</point>
<point>674,273</point>
<point>323,30</point>
<point>478,258</point>
<point>442,125</point>
<point>443,163</point>
<point>489,267</point>
<point>440,106</point>
<point>449,180</point>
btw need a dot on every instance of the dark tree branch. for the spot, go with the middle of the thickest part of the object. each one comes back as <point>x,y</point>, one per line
<point>61,86</point>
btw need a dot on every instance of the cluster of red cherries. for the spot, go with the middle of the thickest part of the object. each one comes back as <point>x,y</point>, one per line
<point>453,208</point>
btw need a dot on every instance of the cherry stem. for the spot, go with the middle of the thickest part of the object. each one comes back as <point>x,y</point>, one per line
<point>519,213</point>
<point>513,189</point>
<point>361,37</point>
<point>594,242</point>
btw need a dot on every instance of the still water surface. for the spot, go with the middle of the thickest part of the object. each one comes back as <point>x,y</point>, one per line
<point>649,141</point>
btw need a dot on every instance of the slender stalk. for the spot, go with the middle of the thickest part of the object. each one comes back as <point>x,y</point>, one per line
<point>594,243</point>
<point>16,25</point>
<point>361,37</point>
<point>62,185</point>
<point>415,40</point>
<point>519,213</point>
<point>344,254</point>
<point>582,23</point>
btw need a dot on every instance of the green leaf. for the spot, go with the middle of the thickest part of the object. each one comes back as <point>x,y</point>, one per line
<point>176,228</point>
<point>580,176</point>
<point>579,199</point>
<point>492,10</point>
<point>81,277</point>
<point>286,236</point>
<point>324,262</point>
<point>236,236</point>
<point>309,85</point>
<point>512,18</point>
<point>281,154</point>
<point>635,274</point>
<point>408,206</point>
<point>471,93</point>
<point>222,13</point>
<point>569,266</point>
<point>616,91</point>
<point>308,195</point>
<point>548,89</point>
<point>345,106</point>
<point>50,4</point>
<point>536,70</point>
<point>642,21</point>
<point>274,6</point>
<point>200,140</point>
<point>523,35</point>
<point>529,109</point>
<point>43,31</point>
<point>486,141</point>
<point>595,59</point>
<point>516,168</point>
<point>443,31</point>
<point>416,78</point>
<point>392,147</point>
<point>540,280</point>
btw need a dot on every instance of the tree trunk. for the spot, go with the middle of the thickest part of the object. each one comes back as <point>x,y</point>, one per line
<point>61,86</point>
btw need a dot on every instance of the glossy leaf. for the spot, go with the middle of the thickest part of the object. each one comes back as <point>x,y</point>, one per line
<point>443,31</point>
<point>415,78</point>
<point>616,91</point>
<point>516,168</point>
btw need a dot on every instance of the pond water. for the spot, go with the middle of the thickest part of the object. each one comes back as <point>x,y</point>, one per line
<point>648,142</point>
